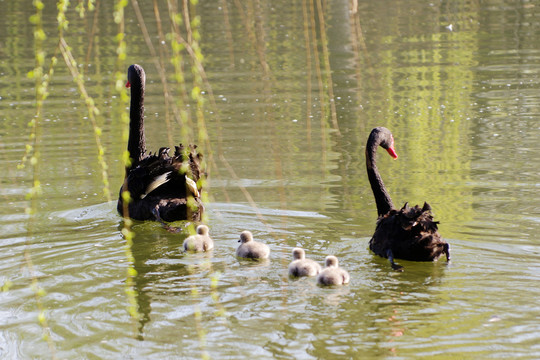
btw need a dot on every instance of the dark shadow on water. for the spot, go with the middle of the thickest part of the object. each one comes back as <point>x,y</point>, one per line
<point>416,275</point>
<point>161,265</point>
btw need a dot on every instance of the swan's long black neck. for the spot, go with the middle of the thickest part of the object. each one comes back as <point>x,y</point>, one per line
<point>382,197</point>
<point>136,141</point>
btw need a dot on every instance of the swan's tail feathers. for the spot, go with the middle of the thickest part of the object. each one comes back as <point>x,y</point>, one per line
<point>157,182</point>
<point>192,187</point>
<point>164,153</point>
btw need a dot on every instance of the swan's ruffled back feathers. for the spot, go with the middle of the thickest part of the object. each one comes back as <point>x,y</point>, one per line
<point>155,166</point>
<point>160,180</point>
<point>410,233</point>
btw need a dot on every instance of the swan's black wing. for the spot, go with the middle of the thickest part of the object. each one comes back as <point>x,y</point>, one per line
<point>165,183</point>
<point>410,234</point>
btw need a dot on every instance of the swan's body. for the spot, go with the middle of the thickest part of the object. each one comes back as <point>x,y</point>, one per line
<point>408,233</point>
<point>199,242</point>
<point>332,274</point>
<point>251,249</point>
<point>161,186</point>
<point>301,266</point>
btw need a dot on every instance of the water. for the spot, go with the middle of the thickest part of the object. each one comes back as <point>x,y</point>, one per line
<point>461,100</point>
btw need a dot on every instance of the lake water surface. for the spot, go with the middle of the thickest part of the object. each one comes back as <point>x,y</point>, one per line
<point>294,93</point>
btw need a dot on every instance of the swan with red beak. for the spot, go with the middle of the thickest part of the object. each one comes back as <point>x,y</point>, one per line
<point>408,233</point>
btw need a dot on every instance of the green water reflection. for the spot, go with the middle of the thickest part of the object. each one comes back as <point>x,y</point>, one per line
<point>295,89</point>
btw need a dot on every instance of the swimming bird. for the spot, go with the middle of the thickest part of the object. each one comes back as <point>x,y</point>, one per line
<point>250,248</point>
<point>408,233</point>
<point>161,187</point>
<point>332,274</point>
<point>300,266</point>
<point>200,241</point>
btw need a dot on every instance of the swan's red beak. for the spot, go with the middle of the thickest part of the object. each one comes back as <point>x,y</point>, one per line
<point>128,84</point>
<point>392,152</point>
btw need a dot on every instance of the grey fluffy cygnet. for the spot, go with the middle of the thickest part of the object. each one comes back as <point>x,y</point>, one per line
<point>199,242</point>
<point>332,274</point>
<point>301,266</point>
<point>251,249</point>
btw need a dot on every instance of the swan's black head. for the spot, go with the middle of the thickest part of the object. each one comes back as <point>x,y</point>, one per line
<point>385,139</point>
<point>136,76</point>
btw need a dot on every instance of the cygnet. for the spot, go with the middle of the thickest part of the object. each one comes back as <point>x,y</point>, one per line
<point>251,249</point>
<point>199,242</point>
<point>332,274</point>
<point>301,266</point>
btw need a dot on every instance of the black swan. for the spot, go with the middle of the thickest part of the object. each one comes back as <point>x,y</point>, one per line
<point>408,233</point>
<point>161,187</point>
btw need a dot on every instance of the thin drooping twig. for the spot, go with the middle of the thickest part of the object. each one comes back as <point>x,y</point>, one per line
<point>327,68</point>
<point>92,112</point>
